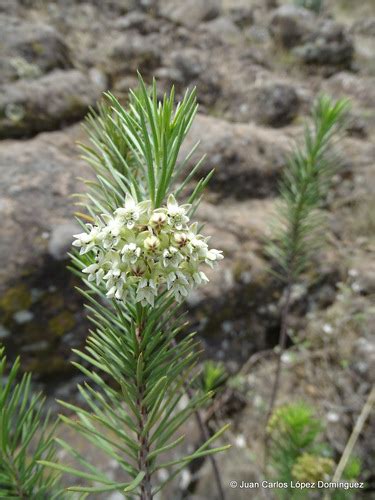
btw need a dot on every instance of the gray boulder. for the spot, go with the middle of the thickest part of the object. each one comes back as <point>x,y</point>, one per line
<point>131,52</point>
<point>275,104</point>
<point>247,158</point>
<point>37,178</point>
<point>223,28</point>
<point>328,45</point>
<point>28,49</point>
<point>365,27</point>
<point>289,25</point>
<point>190,12</point>
<point>139,21</point>
<point>61,238</point>
<point>47,103</point>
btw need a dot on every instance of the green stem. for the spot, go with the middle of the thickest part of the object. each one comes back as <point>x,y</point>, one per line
<point>144,448</point>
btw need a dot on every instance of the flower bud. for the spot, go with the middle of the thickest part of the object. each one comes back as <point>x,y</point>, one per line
<point>158,220</point>
<point>181,239</point>
<point>151,243</point>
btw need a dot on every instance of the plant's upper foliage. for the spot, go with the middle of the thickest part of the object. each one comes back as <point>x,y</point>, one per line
<point>136,151</point>
<point>146,250</point>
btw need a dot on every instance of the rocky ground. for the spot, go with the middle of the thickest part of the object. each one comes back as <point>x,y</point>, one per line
<point>257,65</point>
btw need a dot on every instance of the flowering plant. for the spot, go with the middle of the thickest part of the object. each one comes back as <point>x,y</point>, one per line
<point>140,253</point>
<point>146,250</point>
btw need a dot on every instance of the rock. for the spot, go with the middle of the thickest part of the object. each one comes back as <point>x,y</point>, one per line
<point>190,62</point>
<point>358,88</point>
<point>9,7</point>
<point>364,27</point>
<point>131,52</point>
<point>222,28</point>
<point>147,5</point>
<point>169,76</point>
<point>61,238</point>
<point>290,24</point>
<point>242,16</point>
<point>28,49</point>
<point>139,21</point>
<point>274,104</point>
<point>38,303</point>
<point>23,316</point>
<point>190,12</point>
<point>4,332</point>
<point>192,67</point>
<point>58,98</point>
<point>34,198</point>
<point>325,44</point>
<point>362,276</point>
<point>123,85</point>
<point>247,159</point>
<point>328,45</point>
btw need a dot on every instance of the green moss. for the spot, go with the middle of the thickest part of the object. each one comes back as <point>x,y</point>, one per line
<point>62,323</point>
<point>15,299</point>
<point>56,365</point>
<point>37,48</point>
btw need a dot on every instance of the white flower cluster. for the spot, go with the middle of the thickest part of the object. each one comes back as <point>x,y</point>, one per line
<point>147,250</point>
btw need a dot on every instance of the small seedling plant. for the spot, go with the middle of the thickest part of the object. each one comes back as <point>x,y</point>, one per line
<point>299,455</point>
<point>297,229</point>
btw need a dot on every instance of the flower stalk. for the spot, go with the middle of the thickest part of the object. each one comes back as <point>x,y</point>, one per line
<point>143,437</point>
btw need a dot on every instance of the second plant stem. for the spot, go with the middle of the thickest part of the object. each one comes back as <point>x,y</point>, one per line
<point>281,348</point>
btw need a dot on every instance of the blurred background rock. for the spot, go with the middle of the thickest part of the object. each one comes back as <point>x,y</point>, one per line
<point>258,66</point>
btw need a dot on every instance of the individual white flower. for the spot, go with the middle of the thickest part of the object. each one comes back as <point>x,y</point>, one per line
<point>180,239</point>
<point>146,292</point>
<point>177,217</point>
<point>139,269</point>
<point>158,219</point>
<point>130,253</point>
<point>118,291</point>
<point>129,214</point>
<point>152,243</point>
<point>197,245</point>
<point>213,255</point>
<point>87,241</point>
<point>114,226</point>
<point>172,257</point>
<point>171,277</point>
<point>180,286</point>
<point>199,277</point>
<point>115,271</point>
<point>95,273</point>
